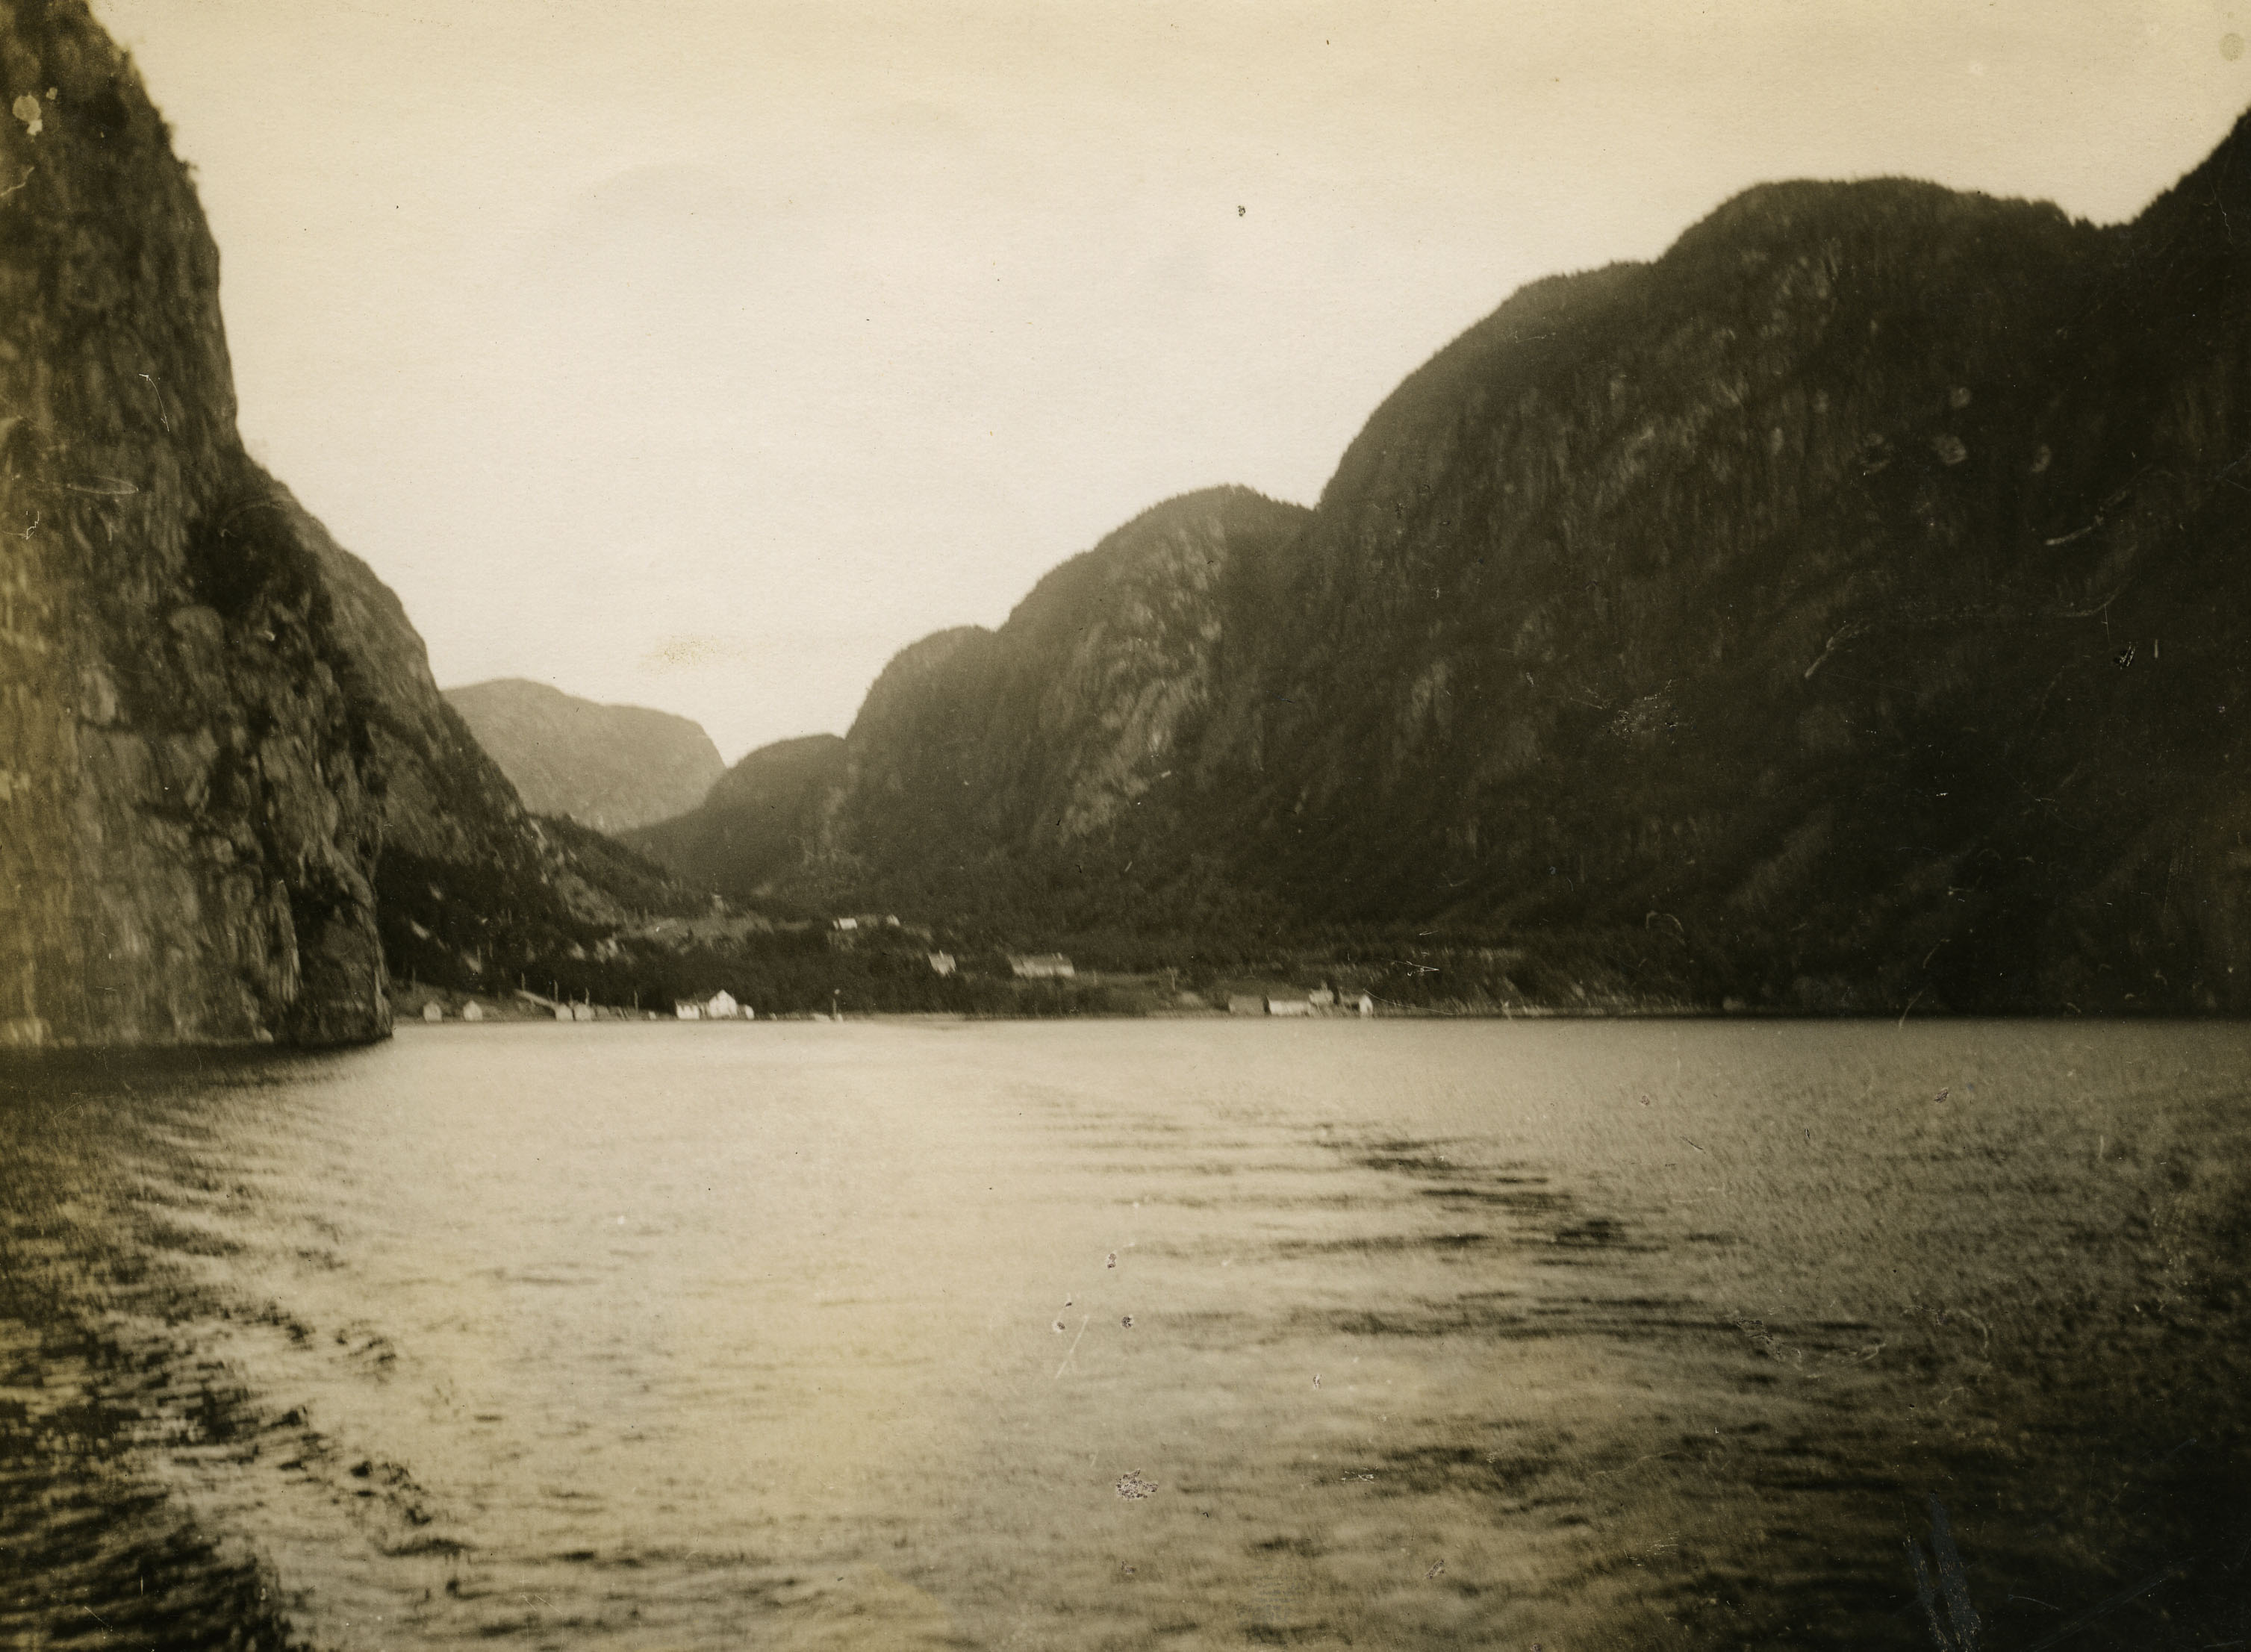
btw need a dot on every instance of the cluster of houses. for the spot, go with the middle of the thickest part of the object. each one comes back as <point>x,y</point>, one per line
<point>843,934</point>
<point>1319,1001</point>
<point>720,1006</point>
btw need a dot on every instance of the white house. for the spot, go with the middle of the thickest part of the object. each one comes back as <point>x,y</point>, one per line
<point>688,1012</point>
<point>434,1011</point>
<point>1366,1005</point>
<point>1289,1006</point>
<point>941,964</point>
<point>562,1012</point>
<point>473,1011</point>
<point>1041,966</point>
<point>721,1007</point>
<point>582,1012</point>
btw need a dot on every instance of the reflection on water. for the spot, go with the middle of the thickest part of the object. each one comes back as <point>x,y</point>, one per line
<point>1108,1335</point>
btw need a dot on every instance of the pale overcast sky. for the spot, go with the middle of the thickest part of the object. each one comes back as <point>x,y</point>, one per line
<point>701,355</point>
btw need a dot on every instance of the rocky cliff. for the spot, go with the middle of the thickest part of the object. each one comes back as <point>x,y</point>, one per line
<point>1032,764</point>
<point>609,767</point>
<point>1006,775</point>
<point>1842,613</point>
<point>190,819</point>
<point>225,775</point>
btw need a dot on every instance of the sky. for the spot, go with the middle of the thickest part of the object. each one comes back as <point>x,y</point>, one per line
<point>701,355</point>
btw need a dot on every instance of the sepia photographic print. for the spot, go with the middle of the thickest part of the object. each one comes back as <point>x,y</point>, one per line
<point>1125,827</point>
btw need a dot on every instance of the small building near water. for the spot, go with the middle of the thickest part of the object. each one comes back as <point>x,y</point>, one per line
<point>473,1011</point>
<point>1289,1006</point>
<point>941,964</point>
<point>686,1012</point>
<point>1366,1005</point>
<point>1245,1004</point>
<point>582,1012</point>
<point>562,1012</point>
<point>434,1011</point>
<point>1040,966</point>
<point>721,1007</point>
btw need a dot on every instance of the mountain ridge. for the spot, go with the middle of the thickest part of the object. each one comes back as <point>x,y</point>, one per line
<point>979,753</point>
<point>1754,624</point>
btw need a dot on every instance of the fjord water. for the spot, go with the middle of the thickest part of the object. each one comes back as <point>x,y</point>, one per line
<point>1133,1334</point>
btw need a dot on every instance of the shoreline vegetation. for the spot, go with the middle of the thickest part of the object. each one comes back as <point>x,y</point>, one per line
<point>612,1015</point>
<point>792,964</point>
<point>787,962</point>
<point>876,964</point>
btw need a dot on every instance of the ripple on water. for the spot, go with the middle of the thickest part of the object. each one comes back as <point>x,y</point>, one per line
<point>1439,1336</point>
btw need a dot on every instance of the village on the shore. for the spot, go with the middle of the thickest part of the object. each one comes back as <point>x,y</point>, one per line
<point>1137,993</point>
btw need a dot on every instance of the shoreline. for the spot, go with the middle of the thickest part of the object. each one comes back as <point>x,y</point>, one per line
<point>26,1057</point>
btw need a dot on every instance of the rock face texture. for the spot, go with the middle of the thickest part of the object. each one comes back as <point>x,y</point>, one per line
<point>189,813</point>
<point>609,767</point>
<point>219,742</point>
<point>982,761</point>
<point>1006,771</point>
<point>1844,611</point>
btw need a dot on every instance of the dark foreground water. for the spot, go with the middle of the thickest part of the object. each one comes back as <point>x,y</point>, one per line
<point>1118,1335</point>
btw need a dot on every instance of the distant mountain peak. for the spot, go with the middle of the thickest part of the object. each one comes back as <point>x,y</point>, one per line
<point>610,767</point>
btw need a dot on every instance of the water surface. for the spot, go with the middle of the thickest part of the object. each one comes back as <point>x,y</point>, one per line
<point>1132,1335</point>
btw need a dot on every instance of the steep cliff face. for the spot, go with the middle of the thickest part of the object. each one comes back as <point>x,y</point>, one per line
<point>1840,610</point>
<point>609,767</point>
<point>188,823</point>
<point>1034,773</point>
<point>1068,724</point>
<point>470,888</point>
<point>225,775</point>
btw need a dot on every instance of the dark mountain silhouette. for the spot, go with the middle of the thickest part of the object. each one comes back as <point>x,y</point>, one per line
<point>609,767</point>
<point>754,829</point>
<point>1834,614</point>
<point>229,789</point>
<point>982,760</point>
<point>1020,770</point>
<point>1843,611</point>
